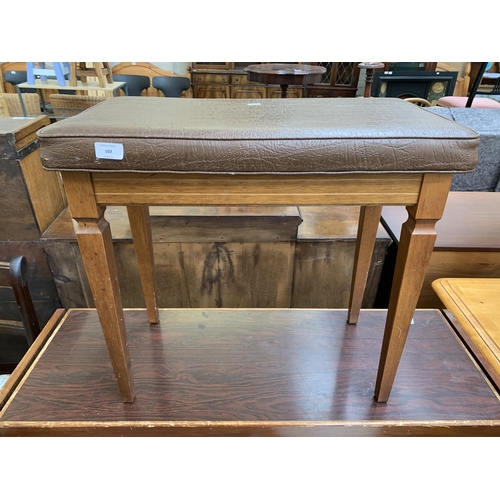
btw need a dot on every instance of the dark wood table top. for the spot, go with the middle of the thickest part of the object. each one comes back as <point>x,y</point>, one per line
<point>285,73</point>
<point>285,69</point>
<point>258,372</point>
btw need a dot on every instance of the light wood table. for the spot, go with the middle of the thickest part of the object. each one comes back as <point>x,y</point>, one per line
<point>475,304</point>
<point>92,87</point>
<point>272,152</point>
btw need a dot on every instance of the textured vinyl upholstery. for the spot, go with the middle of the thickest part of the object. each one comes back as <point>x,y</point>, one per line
<point>277,136</point>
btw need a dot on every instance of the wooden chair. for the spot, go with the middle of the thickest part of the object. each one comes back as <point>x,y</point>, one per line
<point>31,104</point>
<point>17,336</point>
<point>101,70</point>
<point>419,101</point>
<point>70,105</point>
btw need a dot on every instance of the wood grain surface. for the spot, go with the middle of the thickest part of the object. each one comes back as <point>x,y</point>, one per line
<point>474,304</point>
<point>253,372</point>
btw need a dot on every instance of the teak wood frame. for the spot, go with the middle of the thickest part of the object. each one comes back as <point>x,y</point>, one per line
<point>424,196</point>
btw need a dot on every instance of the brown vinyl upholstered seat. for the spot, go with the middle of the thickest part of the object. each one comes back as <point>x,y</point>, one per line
<point>260,136</point>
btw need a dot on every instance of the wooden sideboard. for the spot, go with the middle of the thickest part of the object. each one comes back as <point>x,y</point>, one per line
<point>225,80</point>
<point>229,81</point>
<point>228,257</point>
<point>31,198</point>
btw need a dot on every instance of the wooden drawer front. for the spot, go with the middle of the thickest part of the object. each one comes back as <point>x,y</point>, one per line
<point>211,92</point>
<point>248,92</point>
<point>239,80</point>
<point>202,79</point>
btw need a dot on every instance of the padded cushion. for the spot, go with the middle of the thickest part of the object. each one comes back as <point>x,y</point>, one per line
<point>460,102</point>
<point>260,136</point>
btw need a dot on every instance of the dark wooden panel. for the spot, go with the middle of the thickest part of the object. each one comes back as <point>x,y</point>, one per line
<point>72,286</point>
<point>204,257</point>
<point>43,309</point>
<point>39,277</point>
<point>255,265</point>
<point>324,258</point>
<point>255,274</point>
<point>323,273</point>
<point>17,220</point>
<point>7,141</point>
<point>302,370</point>
<point>227,224</point>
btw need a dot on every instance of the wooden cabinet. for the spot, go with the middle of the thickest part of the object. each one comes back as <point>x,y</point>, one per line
<point>211,85</point>
<point>241,88</point>
<point>229,80</point>
<point>340,80</point>
<point>31,198</point>
<point>228,257</point>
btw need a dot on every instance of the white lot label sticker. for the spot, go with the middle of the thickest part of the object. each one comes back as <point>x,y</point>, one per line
<point>108,151</point>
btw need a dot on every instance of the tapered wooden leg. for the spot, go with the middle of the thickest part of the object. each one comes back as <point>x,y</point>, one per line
<point>369,219</point>
<point>96,246</point>
<point>414,252</point>
<point>141,233</point>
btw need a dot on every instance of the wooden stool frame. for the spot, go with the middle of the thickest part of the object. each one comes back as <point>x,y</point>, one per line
<point>424,196</point>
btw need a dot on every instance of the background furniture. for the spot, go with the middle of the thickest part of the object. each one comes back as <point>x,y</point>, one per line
<point>31,199</point>
<point>145,69</point>
<point>467,244</point>
<point>486,122</point>
<point>70,105</point>
<point>60,70</point>
<point>100,70</point>
<point>89,88</point>
<point>463,81</point>
<point>369,68</point>
<point>418,101</point>
<point>136,84</point>
<point>4,110</point>
<point>472,100</point>
<point>472,308</point>
<point>227,257</point>
<point>14,73</point>
<point>227,80</point>
<point>429,85</point>
<point>17,336</point>
<point>13,78</point>
<point>339,80</point>
<point>284,74</point>
<point>31,103</point>
<point>171,86</point>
